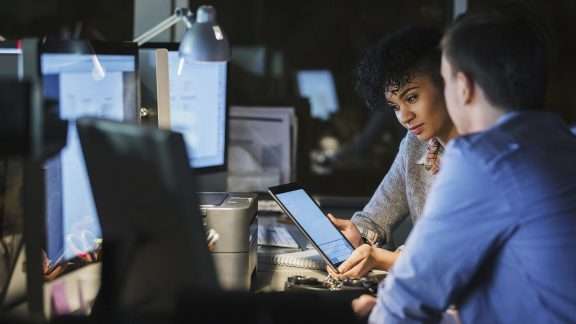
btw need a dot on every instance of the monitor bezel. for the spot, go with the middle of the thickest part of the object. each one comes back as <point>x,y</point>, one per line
<point>172,47</point>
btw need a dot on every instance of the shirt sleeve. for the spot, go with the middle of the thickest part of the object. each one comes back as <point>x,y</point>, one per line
<point>464,220</point>
<point>388,205</point>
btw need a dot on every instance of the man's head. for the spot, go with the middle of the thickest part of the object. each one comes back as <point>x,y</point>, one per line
<point>491,64</point>
<point>402,72</point>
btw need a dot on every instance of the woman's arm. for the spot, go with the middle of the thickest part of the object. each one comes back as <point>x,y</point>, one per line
<point>388,205</point>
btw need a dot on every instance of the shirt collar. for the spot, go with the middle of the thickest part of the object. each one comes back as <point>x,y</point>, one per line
<point>422,159</point>
<point>506,117</point>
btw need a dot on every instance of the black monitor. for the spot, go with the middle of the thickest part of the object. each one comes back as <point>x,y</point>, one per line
<point>147,207</point>
<point>197,107</point>
<point>101,83</point>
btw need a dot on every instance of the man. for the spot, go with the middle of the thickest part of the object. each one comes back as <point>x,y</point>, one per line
<point>498,234</point>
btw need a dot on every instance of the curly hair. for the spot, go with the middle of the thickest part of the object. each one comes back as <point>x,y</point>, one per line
<point>395,59</point>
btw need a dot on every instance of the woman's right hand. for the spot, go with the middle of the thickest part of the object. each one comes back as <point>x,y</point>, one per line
<point>349,230</point>
<point>364,259</point>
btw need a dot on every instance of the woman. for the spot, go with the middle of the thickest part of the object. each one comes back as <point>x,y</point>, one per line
<point>401,72</point>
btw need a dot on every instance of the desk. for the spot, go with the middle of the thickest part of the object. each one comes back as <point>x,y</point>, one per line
<point>81,286</point>
<point>75,292</point>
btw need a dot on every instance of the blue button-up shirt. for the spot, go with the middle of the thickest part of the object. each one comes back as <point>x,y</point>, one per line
<point>498,234</point>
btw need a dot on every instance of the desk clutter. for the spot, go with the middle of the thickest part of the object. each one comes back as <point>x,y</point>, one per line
<point>367,285</point>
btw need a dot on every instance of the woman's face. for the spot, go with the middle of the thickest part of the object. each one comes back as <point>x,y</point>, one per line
<point>419,106</point>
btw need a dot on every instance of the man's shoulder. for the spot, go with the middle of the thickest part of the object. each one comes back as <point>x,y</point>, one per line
<point>526,132</point>
<point>485,146</point>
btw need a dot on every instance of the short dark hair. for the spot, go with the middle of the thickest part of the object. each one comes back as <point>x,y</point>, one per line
<point>395,59</point>
<point>504,53</point>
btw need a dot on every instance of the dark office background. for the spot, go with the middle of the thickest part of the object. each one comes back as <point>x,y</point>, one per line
<point>312,34</point>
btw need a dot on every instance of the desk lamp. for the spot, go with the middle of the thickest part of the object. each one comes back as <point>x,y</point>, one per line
<point>203,40</point>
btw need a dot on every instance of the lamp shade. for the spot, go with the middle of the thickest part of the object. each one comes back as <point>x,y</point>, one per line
<point>204,40</point>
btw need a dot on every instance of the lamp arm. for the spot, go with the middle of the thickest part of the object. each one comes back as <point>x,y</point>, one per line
<point>179,14</point>
<point>154,31</point>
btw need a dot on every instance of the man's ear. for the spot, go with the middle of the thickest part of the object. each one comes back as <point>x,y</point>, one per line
<point>465,88</point>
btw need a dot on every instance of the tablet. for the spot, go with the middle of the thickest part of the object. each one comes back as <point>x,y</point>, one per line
<point>313,222</point>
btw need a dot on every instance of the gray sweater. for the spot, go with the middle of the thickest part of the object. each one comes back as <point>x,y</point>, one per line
<point>401,193</point>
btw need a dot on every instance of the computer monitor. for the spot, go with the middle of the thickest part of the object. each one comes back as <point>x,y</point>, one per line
<point>146,204</point>
<point>318,86</point>
<point>197,106</point>
<point>103,83</point>
<point>10,59</point>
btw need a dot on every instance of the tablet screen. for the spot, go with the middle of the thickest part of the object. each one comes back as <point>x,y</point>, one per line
<point>321,231</point>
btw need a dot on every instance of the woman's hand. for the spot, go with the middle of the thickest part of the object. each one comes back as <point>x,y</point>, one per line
<point>362,306</point>
<point>349,230</point>
<point>364,259</point>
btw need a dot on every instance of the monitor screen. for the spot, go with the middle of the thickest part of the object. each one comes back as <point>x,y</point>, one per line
<point>318,86</point>
<point>198,109</point>
<point>317,226</point>
<point>102,85</point>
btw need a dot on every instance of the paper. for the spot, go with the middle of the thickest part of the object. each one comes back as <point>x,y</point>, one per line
<point>265,205</point>
<point>275,235</point>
